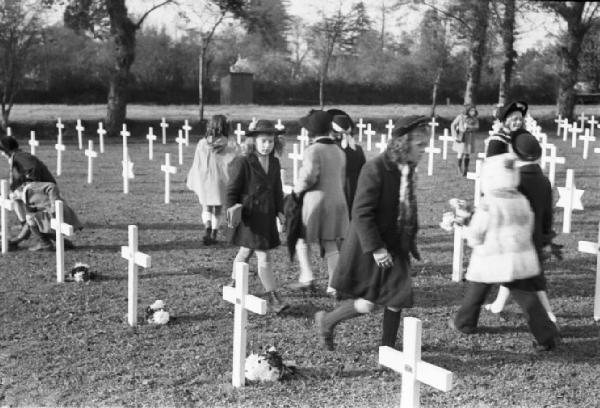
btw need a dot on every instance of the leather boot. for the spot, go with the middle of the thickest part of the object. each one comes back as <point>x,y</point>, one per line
<point>213,236</point>
<point>207,239</point>
<point>325,322</point>
<point>43,243</point>
<point>276,304</point>
<point>23,235</point>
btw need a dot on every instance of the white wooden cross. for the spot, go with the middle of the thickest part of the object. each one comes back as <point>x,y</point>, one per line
<point>151,138</point>
<point>239,133</point>
<point>390,127</point>
<point>32,142</point>
<point>135,259</point>
<point>168,170</point>
<point>180,141</point>
<point>60,127</point>
<point>370,133</point>
<point>243,302</point>
<point>414,371</point>
<point>101,132</point>
<point>127,173</point>
<point>587,138</point>
<point>482,155</point>
<point>164,125</point>
<point>186,130</point>
<point>433,125</point>
<point>445,139</point>
<point>582,118</point>
<point>6,205</point>
<point>361,126</point>
<point>477,177</point>
<point>382,145</point>
<point>9,130</point>
<point>279,126</point>
<point>593,122</point>
<point>296,157</point>
<point>431,150</point>
<point>553,160</point>
<point>593,248</point>
<point>61,229</point>
<point>569,199</point>
<point>458,254</point>
<point>60,147</point>
<point>91,155</point>
<point>543,141</point>
<point>558,122</point>
<point>79,129</point>
<point>125,134</point>
<point>303,139</point>
<point>566,128</point>
<point>574,130</point>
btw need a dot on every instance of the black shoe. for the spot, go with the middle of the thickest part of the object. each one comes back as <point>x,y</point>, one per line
<point>452,326</point>
<point>325,336</point>
<point>548,346</point>
<point>41,246</point>
<point>276,304</point>
<point>303,287</point>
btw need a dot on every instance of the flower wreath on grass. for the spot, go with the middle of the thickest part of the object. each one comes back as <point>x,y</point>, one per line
<point>157,313</point>
<point>80,273</point>
<point>268,366</point>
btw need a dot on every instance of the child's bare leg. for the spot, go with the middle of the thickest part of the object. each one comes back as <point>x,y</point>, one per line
<point>501,299</point>
<point>543,296</point>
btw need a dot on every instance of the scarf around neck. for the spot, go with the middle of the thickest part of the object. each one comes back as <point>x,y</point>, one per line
<point>407,222</point>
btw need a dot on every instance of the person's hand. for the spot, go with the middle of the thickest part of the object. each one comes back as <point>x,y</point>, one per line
<point>383,259</point>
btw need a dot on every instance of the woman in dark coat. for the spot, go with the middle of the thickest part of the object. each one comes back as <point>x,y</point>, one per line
<point>342,127</point>
<point>24,167</point>
<point>375,256</point>
<point>255,191</point>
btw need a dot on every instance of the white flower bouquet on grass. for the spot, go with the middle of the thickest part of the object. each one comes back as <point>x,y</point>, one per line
<point>268,366</point>
<point>459,216</point>
<point>80,273</point>
<point>157,313</point>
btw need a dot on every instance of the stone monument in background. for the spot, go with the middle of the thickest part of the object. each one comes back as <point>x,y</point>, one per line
<point>237,86</point>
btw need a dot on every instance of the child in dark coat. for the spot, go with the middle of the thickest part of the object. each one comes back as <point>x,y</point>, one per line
<point>255,201</point>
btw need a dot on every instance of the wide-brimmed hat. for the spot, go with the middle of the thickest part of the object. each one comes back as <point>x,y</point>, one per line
<point>8,144</point>
<point>408,123</point>
<point>525,145</point>
<point>317,122</point>
<point>263,127</point>
<point>514,106</point>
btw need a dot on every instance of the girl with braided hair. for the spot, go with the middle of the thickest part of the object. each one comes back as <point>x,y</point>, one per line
<point>374,266</point>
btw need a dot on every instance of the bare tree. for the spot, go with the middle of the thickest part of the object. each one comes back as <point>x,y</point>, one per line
<point>298,45</point>
<point>202,18</point>
<point>580,18</point>
<point>506,14</point>
<point>331,33</point>
<point>471,21</point>
<point>20,31</point>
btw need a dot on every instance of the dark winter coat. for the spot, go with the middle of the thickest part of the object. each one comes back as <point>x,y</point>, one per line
<point>292,209</point>
<point>27,167</point>
<point>261,196</point>
<point>498,143</point>
<point>538,191</point>
<point>374,226</point>
<point>355,160</point>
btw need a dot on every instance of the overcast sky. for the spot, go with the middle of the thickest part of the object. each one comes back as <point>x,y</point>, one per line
<point>534,28</point>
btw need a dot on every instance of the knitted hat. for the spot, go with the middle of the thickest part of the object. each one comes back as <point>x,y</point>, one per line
<point>8,144</point>
<point>317,122</point>
<point>514,106</point>
<point>408,123</point>
<point>499,173</point>
<point>525,145</point>
<point>263,127</point>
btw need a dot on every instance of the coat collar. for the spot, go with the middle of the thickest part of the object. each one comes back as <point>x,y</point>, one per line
<point>388,163</point>
<point>253,160</point>
<point>532,168</point>
<point>324,140</point>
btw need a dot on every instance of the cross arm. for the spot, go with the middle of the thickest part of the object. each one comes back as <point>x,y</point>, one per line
<point>588,247</point>
<point>139,258</point>
<point>252,303</point>
<point>65,229</point>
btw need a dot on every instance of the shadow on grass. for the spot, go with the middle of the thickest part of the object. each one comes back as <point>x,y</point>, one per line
<point>143,226</point>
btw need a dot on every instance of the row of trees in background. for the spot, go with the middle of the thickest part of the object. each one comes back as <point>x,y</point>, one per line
<point>463,50</point>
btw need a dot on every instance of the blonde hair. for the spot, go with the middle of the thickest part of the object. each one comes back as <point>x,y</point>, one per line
<point>248,146</point>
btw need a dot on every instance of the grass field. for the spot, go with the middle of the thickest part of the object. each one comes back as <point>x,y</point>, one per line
<point>69,344</point>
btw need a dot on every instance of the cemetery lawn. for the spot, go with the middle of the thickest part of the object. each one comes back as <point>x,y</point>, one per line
<point>69,344</point>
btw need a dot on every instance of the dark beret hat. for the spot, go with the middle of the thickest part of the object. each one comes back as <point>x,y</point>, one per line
<point>341,123</point>
<point>8,144</point>
<point>338,112</point>
<point>317,122</point>
<point>263,127</point>
<point>506,110</point>
<point>525,145</point>
<point>408,123</point>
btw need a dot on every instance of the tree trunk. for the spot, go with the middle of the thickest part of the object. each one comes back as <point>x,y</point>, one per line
<point>321,85</point>
<point>477,51</point>
<point>122,31</point>
<point>4,119</point>
<point>436,84</point>
<point>508,40</point>
<point>201,76</point>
